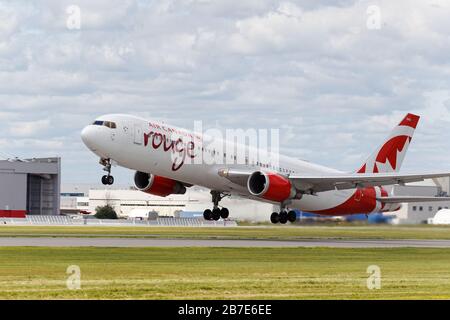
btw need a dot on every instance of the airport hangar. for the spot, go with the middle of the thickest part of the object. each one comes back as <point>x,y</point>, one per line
<point>30,187</point>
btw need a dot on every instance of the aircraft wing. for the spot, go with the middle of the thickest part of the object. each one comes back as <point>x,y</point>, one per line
<point>342,182</point>
<point>321,183</point>
<point>410,199</point>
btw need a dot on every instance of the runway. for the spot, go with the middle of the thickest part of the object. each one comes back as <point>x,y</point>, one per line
<point>140,243</point>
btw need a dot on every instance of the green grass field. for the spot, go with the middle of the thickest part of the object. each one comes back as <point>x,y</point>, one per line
<point>223,273</point>
<point>226,273</point>
<point>281,233</point>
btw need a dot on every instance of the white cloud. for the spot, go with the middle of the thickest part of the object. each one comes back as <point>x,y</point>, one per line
<point>310,68</point>
<point>28,128</point>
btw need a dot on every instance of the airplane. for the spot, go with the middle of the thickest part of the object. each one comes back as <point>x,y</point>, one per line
<point>162,156</point>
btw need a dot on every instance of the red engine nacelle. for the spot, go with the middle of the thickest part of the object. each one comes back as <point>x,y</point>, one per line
<point>157,185</point>
<point>271,186</point>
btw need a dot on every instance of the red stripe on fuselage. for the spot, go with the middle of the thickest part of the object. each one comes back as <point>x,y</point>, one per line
<point>362,201</point>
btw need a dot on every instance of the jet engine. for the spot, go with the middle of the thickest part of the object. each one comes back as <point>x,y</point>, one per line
<point>271,186</point>
<point>157,185</point>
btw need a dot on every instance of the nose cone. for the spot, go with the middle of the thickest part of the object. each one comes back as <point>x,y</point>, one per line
<point>87,135</point>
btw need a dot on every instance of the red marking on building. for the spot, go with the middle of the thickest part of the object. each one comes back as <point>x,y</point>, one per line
<point>13,214</point>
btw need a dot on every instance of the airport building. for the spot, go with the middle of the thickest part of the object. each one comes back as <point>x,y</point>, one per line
<point>421,212</point>
<point>130,203</point>
<point>30,187</point>
<point>75,198</point>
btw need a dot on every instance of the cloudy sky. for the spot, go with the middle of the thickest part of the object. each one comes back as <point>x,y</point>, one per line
<point>333,76</point>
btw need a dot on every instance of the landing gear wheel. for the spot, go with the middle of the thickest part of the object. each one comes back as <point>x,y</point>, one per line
<point>283,217</point>
<point>110,180</point>
<point>275,218</point>
<point>207,214</point>
<point>107,179</point>
<point>224,213</point>
<point>292,216</point>
<point>216,214</point>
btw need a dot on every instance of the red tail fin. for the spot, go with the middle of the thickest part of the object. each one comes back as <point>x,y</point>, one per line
<point>390,155</point>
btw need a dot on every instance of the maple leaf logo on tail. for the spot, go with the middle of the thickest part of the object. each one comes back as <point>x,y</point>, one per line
<point>390,155</point>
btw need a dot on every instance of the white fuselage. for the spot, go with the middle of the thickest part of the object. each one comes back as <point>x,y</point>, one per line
<point>126,145</point>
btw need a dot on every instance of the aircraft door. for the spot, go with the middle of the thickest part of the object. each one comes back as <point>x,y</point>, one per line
<point>358,195</point>
<point>138,135</point>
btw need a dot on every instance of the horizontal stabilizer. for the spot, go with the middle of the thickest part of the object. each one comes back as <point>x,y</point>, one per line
<point>405,199</point>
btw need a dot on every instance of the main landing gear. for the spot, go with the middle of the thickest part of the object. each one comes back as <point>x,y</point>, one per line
<point>216,213</point>
<point>284,216</point>
<point>107,179</point>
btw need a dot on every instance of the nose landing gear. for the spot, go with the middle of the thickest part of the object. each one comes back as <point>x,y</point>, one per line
<point>107,179</point>
<point>217,212</point>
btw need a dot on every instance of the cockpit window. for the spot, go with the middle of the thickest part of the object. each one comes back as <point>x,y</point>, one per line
<point>109,124</point>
